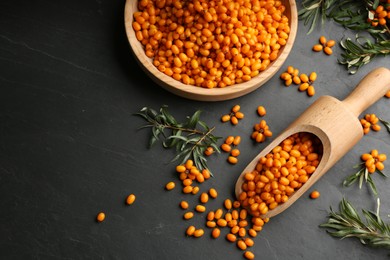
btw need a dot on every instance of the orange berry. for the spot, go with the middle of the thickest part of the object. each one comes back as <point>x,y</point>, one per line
<point>261,111</point>
<point>225,118</point>
<point>100,217</point>
<point>130,199</point>
<point>170,185</point>
<point>317,47</point>
<point>328,51</point>
<point>314,194</point>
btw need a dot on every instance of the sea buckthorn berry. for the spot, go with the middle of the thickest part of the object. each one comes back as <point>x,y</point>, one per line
<point>317,47</point>
<point>388,92</point>
<point>288,82</point>
<point>297,80</point>
<point>237,140</point>
<point>206,174</point>
<point>252,232</point>
<point>213,193</point>
<point>241,245</point>
<point>184,204</point>
<point>234,120</point>
<point>218,214</point>
<point>239,115</point>
<point>195,190</point>
<point>261,111</point>
<point>130,199</point>
<point>170,185</point>
<point>328,51</point>
<point>200,208</point>
<point>210,216</point>
<point>216,232</point>
<point>249,255</point>
<point>204,198</point>
<point>231,237</point>
<point>228,217</point>
<point>198,233</point>
<point>304,78</point>
<point>236,108</point>
<point>188,215</point>
<point>186,189</point>
<point>235,152</point>
<point>209,151</point>
<point>249,242</point>
<point>234,229</point>
<point>330,43</point>
<point>242,232</point>
<point>311,91</point>
<point>228,204</point>
<point>190,230</point>
<point>222,222</point>
<point>314,194</point>
<point>322,40</point>
<point>229,140</point>
<point>304,86</point>
<point>211,224</point>
<point>101,217</point>
<point>225,118</point>
<point>376,127</point>
<point>232,160</point>
<point>313,76</point>
<point>226,148</point>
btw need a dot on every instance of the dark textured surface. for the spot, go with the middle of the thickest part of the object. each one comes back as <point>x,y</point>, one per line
<point>69,146</point>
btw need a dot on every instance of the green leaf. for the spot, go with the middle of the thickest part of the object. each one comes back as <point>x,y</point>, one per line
<point>194,119</point>
<point>185,138</point>
<point>386,124</point>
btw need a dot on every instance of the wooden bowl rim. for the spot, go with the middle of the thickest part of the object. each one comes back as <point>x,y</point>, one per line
<point>205,94</point>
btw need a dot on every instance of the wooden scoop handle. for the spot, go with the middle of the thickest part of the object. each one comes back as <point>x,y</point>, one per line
<point>370,89</point>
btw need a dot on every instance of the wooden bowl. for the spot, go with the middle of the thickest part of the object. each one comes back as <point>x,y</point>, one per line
<point>205,94</point>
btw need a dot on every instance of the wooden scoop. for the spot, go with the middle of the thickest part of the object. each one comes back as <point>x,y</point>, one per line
<point>335,123</point>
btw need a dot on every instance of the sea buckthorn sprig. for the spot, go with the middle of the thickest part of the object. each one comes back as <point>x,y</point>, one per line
<point>189,174</point>
<point>290,75</point>
<point>211,43</point>
<point>372,162</point>
<point>190,138</point>
<point>324,45</point>
<point>370,121</point>
<point>305,82</point>
<point>381,15</point>
<point>234,115</point>
<point>261,131</point>
<point>230,146</point>
<point>280,173</point>
<point>369,228</point>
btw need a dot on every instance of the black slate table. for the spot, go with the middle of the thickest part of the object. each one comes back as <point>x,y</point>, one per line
<point>70,145</point>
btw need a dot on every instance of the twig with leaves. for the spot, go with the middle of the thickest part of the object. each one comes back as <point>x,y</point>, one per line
<point>373,232</point>
<point>362,51</point>
<point>190,139</point>
<point>362,175</point>
<point>354,15</point>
